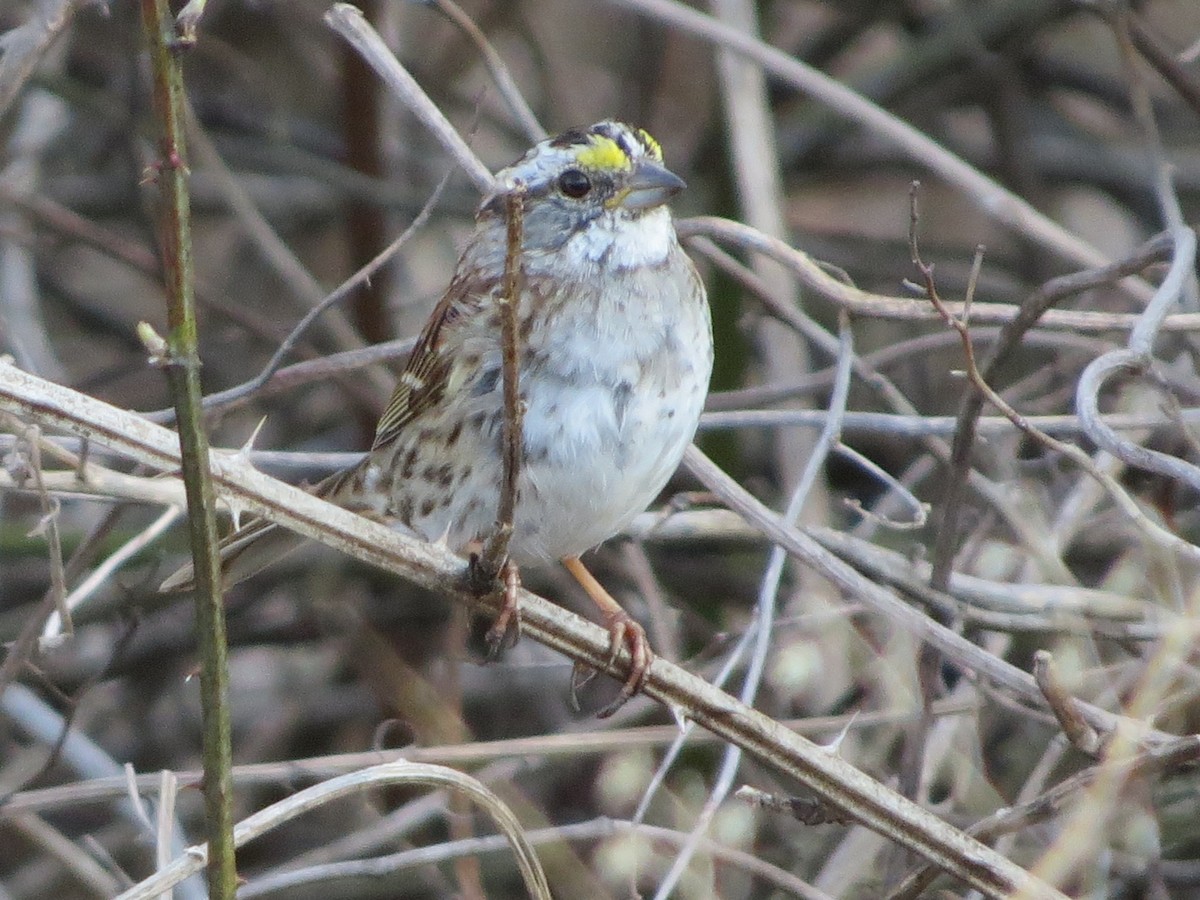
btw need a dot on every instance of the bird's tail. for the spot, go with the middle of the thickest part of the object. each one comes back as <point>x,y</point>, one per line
<point>260,543</point>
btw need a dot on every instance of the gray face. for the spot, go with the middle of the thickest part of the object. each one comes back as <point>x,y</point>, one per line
<point>609,169</point>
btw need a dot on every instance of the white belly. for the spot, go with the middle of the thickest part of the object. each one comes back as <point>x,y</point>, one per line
<point>590,471</point>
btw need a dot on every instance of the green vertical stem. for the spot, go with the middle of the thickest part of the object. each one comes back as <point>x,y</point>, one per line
<point>183,373</point>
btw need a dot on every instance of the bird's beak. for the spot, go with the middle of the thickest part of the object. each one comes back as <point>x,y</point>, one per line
<point>649,185</point>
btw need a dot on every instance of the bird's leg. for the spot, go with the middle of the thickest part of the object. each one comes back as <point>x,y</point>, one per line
<point>484,568</point>
<point>506,630</point>
<point>622,630</point>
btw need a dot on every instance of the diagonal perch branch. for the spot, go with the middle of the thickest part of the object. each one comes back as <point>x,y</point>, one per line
<point>863,799</point>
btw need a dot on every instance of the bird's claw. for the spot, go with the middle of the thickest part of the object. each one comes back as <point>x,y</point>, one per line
<point>623,630</point>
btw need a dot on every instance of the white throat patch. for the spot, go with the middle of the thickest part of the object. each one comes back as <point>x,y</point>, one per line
<point>621,244</point>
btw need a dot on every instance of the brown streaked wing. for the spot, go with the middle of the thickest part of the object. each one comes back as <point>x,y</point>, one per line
<point>423,380</point>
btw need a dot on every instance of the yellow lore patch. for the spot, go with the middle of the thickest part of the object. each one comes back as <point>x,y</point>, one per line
<point>603,154</point>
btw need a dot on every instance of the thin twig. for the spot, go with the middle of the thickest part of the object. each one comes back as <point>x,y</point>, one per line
<point>966,654</point>
<point>57,626</point>
<point>496,68</point>
<point>247,389</point>
<point>25,45</point>
<point>164,831</point>
<point>893,396</point>
<point>48,527</point>
<point>1152,530</point>
<point>1031,310</point>
<point>393,773</point>
<point>495,551</point>
<point>916,737</point>
<point>387,867</point>
<point>348,21</point>
<point>809,812</point>
<point>919,510</point>
<point>764,608</point>
<point>1081,735</point>
<point>1136,359</point>
<point>1182,751</point>
<point>987,194</point>
<point>1151,48</point>
<point>869,305</point>
<point>566,745</point>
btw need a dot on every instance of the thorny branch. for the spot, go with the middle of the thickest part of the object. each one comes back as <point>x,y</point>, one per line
<point>435,568</point>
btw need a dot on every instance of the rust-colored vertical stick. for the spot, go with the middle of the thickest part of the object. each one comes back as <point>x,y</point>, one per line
<point>494,558</point>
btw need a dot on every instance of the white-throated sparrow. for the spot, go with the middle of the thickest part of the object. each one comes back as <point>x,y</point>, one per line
<point>615,357</point>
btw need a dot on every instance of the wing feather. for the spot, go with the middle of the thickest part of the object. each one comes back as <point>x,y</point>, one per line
<point>422,384</point>
<point>423,381</point>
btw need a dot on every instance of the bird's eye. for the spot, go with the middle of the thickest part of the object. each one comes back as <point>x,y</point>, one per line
<point>574,183</point>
